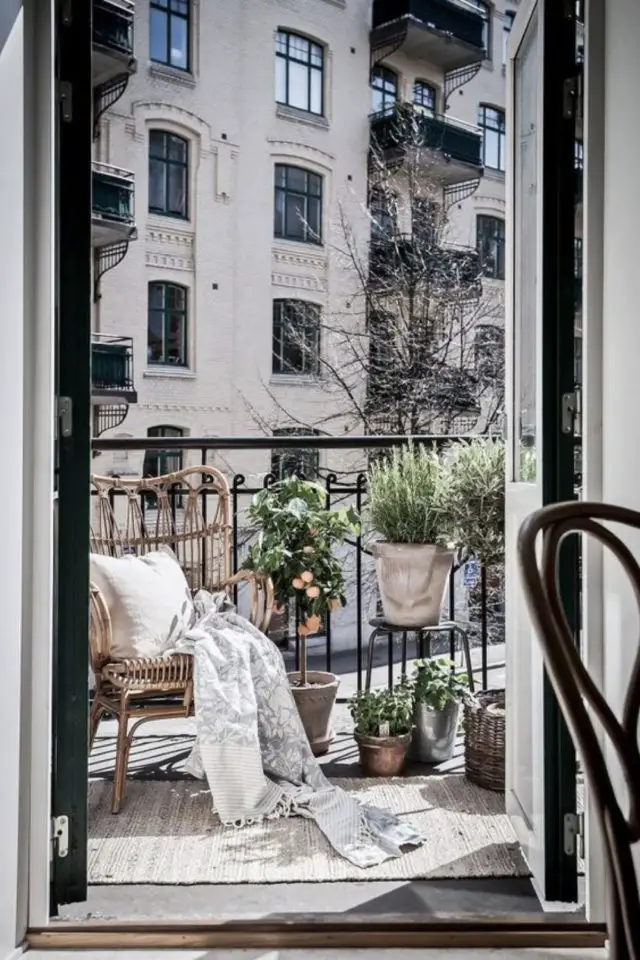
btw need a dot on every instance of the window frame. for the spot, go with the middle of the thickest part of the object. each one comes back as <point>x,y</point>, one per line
<point>310,327</point>
<point>309,235</point>
<point>278,457</point>
<point>308,64</point>
<point>380,71</point>
<point>425,85</point>
<point>507,25</point>
<point>486,12</point>
<point>497,236</point>
<point>162,456</point>
<point>165,7</point>
<point>168,164</point>
<point>166,311</point>
<point>499,129</point>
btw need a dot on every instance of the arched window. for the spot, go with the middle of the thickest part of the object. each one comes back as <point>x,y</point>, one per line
<point>384,90</point>
<point>168,174</point>
<point>424,97</point>
<point>490,239</point>
<point>299,72</point>
<point>157,463</point>
<point>167,324</point>
<point>296,337</point>
<point>298,204</point>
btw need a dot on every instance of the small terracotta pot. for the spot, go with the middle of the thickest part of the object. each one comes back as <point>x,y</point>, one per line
<point>315,705</point>
<point>383,756</point>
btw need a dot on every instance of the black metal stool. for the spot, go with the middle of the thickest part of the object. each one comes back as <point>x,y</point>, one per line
<point>382,627</point>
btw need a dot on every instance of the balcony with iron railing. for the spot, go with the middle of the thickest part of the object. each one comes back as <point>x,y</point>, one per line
<point>112,369</point>
<point>446,33</point>
<point>409,259</point>
<point>113,218</point>
<point>453,148</point>
<point>113,25</point>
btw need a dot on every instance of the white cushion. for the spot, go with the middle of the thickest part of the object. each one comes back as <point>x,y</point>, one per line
<point>148,599</point>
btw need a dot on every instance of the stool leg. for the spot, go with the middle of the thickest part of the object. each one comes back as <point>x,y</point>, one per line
<point>390,665</point>
<point>372,640</point>
<point>467,657</point>
<point>404,655</point>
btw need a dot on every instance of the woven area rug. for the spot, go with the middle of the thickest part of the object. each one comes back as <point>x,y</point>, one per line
<point>167,834</point>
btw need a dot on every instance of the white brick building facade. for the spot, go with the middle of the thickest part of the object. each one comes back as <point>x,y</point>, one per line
<point>224,252</point>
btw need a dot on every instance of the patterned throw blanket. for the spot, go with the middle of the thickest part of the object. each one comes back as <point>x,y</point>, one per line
<point>252,748</point>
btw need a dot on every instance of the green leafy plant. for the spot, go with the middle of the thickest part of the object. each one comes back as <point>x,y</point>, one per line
<point>408,497</point>
<point>383,713</point>
<point>436,685</point>
<point>476,498</point>
<point>297,535</point>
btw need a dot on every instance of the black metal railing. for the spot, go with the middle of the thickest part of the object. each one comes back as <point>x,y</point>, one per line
<point>112,365</point>
<point>475,594</point>
<point>113,191</point>
<point>405,126</point>
<point>113,25</point>
<point>444,16</point>
<point>411,258</point>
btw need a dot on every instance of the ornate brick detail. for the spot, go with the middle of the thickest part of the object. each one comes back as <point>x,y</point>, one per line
<point>290,258</point>
<point>317,284</point>
<point>168,262</point>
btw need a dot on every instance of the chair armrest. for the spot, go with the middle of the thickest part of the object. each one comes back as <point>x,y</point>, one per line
<point>261,596</point>
<point>99,630</point>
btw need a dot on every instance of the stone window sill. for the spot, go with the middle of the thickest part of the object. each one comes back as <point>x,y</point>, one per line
<point>170,373</point>
<point>301,116</point>
<point>295,380</point>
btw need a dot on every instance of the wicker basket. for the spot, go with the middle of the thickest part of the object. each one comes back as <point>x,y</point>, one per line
<point>484,740</point>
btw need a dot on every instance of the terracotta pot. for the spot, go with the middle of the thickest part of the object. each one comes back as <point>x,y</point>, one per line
<point>315,704</point>
<point>382,756</point>
<point>412,578</point>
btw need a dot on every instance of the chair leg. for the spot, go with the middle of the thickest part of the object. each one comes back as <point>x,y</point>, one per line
<point>122,756</point>
<point>95,717</point>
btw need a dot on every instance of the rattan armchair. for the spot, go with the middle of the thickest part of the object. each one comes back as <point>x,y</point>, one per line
<point>189,511</point>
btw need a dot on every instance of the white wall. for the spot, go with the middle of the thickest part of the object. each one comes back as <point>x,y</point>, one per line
<point>621,329</point>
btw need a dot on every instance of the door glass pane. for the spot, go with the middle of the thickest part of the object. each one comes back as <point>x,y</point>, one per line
<point>526,254</point>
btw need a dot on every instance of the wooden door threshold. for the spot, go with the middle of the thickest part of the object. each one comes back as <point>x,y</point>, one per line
<point>298,932</point>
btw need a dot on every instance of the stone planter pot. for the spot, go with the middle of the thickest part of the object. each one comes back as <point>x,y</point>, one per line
<point>382,756</point>
<point>434,733</point>
<point>412,578</point>
<point>315,705</point>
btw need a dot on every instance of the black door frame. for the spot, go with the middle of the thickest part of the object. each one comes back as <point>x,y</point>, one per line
<point>73,445</point>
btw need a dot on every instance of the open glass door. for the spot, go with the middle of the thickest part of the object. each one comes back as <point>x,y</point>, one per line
<point>541,406</point>
<point>71,504</point>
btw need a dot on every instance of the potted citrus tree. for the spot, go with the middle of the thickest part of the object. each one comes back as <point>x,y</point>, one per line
<point>437,695</point>
<point>383,720</point>
<point>295,547</point>
<point>413,558</point>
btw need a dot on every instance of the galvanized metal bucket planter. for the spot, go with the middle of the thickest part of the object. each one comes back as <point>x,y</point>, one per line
<point>434,733</point>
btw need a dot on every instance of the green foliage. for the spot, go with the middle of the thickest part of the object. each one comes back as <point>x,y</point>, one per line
<point>475,497</point>
<point>373,709</point>
<point>407,497</point>
<point>436,685</point>
<point>295,544</point>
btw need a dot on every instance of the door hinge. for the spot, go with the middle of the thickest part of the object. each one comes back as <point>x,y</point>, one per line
<point>570,413</point>
<point>569,98</point>
<point>65,416</point>
<point>573,834</point>
<point>60,836</point>
<point>65,92</point>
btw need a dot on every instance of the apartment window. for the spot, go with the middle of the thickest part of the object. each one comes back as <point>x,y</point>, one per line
<point>299,72</point>
<point>491,246</point>
<point>507,24</point>
<point>303,463</point>
<point>489,351</point>
<point>484,9</point>
<point>298,204</point>
<point>494,143</point>
<point>169,32</point>
<point>296,337</point>
<point>157,463</point>
<point>167,324</point>
<point>382,208</point>
<point>168,174</point>
<point>424,97</point>
<point>384,90</point>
